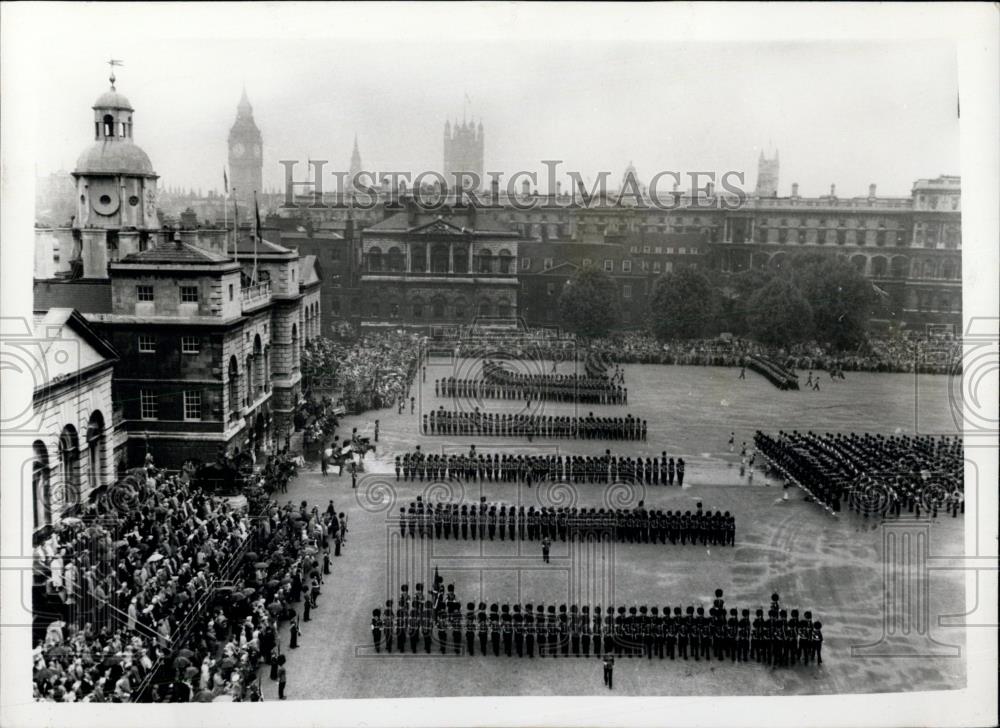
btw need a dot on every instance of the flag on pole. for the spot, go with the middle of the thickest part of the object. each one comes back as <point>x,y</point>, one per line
<point>225,180</point>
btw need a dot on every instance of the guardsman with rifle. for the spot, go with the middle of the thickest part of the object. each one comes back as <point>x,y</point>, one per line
<point>529,630</point>
<point>377,629</point>
<point>518,626</point>
<point>470,628</point>
<point>388,626</point>
<point>482,627</point>
<point>495,628</point>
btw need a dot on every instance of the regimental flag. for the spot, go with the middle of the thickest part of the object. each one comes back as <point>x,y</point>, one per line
<point>879,291</point>
<point>225,180</point>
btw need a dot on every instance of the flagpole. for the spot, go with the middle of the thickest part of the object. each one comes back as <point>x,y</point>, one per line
<point>225,209</point>
<point>256,234</point>
<point>236,229</point>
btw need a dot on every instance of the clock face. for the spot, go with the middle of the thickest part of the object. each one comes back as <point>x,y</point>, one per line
<point>238,150</point>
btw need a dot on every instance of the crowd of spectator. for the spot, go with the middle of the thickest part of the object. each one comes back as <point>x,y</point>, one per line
<point>159,592</point>
<point>370,371</point>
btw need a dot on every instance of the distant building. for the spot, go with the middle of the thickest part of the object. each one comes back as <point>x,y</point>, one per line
<point>246,155</point>
<point>464,146</point>
<point>449,267</point>
<point>767,176</point>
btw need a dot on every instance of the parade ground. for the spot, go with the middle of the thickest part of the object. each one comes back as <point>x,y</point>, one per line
<point>836,566</point>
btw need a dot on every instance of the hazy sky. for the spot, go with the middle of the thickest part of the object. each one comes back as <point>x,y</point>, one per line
<point>849,113</point>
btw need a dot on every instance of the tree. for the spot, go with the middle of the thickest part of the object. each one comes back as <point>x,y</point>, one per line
<point>778,314</point>
<point>842,300</point>
<point>684,305</point>
<point>589,304</point>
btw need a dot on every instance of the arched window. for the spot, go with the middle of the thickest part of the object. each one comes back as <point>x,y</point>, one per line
<point>900,265</point>
<point>96,443</point>
<point>483,308</point>
<point>461,307</point>
<point>234,385</point>
<point>258,366</point>
<point>879,266</point>
<point>461,259</point>
<point>438,308</point>
<point>109,125</point>
<point>69,465</point>
<point>375,259</point>
<point>506,261</point>
<point>485,261</point>
<point>395,259</point>
<point>41,487</point>
<point>439,258</point>
<point>249,369</point>
<point>930,268</point>
<point>503,308</point>
<point>417,305</point>
<point>295,348</point>
<point>418,258</point>
<point>948,269</point>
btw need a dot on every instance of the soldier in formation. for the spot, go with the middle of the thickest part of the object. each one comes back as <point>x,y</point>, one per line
<point>476,466</point>
<point>457,422</point>
<point>507,522</point>
<point>781,639</point>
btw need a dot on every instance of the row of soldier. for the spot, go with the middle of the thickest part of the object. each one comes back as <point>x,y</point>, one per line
<point>458,422</point>
<point>566,392</point>
<point>509,522</point>
<point>507,468</point>
<point>781,639</point>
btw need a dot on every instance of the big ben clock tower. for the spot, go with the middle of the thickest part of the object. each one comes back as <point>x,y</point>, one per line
<point>246,160</point>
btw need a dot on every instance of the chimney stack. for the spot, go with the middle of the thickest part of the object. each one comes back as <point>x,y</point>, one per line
<point>871,190</point>
<point>833,190</point>
<point>795,189</point>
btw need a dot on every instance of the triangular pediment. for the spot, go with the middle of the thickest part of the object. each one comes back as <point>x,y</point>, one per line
<point>440,226</point>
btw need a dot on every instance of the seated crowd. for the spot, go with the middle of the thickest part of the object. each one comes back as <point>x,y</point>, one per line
<point>877,475</point>
<point>507,468</point>
<point>371,371</point>
<point>158,593</point>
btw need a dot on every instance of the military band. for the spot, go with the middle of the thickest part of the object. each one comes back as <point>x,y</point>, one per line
<point>782,638</point>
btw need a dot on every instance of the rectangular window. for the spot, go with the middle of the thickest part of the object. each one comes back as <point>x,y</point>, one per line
<point>670,251</point>
<point>190,345</point>
<point>418,310</point>
<point>144,293</point>
<point>681,251</point>
<point>645,249</point>
<point>656,266</point>
<point>658,249</point>
<point>587,262</point>
<point>231,292</point>
<point>189,294</point>
<point>550,289</point>
<point>192,405</point>
<point>147,405</point>
<point>626,291</point>
<point>626,266</point>
<point>609,265</point>
<point>634,249</point>
<point>525,263</point>
<point>547,263</point>
<point>644,264</point>
<point>147,344</point>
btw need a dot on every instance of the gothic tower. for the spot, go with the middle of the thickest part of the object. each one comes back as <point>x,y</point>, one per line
<point>246,161</point>
<point>355,169</point>
<point>767,175</point>
<point>463,150</point>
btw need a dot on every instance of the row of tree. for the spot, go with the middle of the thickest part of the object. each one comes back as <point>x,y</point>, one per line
<point>814,297</point>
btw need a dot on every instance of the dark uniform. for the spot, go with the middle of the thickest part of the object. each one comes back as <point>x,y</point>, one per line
<point>377,629</point>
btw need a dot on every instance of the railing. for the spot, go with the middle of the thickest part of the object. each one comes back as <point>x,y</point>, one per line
<point>255,293</point>
<point>428,274</point>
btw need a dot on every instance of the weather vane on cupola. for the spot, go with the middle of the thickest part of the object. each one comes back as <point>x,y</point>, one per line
<point>112,63</point>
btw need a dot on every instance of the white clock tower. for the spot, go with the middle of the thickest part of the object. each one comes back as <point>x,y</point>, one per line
<point>115,187</point>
